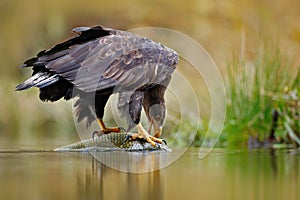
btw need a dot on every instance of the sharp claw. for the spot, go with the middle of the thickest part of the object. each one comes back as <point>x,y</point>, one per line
<point>98,133</point>
<point>164,141</point>
<point>94,133</point>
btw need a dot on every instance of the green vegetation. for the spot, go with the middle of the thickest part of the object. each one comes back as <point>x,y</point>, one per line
<point>257,86</point>
<point>260,87</point>
<point>288,107</point>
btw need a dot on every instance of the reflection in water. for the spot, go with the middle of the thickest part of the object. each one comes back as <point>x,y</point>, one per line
<point>137,162</point>
<point>273,162</point>
<point>255,174</point>
<point>264,174</point>
<point>106,183</point>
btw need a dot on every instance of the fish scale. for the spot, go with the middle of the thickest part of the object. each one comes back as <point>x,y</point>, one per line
<point>112,142</point>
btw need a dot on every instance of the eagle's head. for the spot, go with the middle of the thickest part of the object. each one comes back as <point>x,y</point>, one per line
<point>155,109</point>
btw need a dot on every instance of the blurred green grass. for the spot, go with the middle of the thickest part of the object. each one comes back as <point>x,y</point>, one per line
<point>222,27</point>
<point>252,83</point>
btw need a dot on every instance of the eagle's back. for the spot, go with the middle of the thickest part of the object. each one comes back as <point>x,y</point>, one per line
<point>98,59</point>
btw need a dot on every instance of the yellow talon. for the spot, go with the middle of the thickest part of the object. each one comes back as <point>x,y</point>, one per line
<point>106,130</point>
<point>143,134</point>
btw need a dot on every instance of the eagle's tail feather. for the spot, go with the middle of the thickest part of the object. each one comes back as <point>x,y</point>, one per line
<point>40,80</point>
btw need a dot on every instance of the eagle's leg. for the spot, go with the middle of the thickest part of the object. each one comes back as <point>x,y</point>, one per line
<point>135,108</point>
<point>157,130</point>
<point>143,134</point>
<point>157,134</point>
<point>100,102</point>
<point>106,130</point>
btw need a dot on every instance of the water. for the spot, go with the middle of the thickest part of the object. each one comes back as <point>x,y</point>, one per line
<point>224,174</point>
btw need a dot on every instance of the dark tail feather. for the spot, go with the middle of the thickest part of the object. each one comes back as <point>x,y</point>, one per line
<point>40,80</point>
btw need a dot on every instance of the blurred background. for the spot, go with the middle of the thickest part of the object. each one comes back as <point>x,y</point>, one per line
<point>224,28</point>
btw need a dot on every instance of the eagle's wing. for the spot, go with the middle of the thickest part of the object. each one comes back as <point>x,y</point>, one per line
<point>101,58</point>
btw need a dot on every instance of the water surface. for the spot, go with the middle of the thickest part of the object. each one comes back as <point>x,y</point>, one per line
<point>224,174</point>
